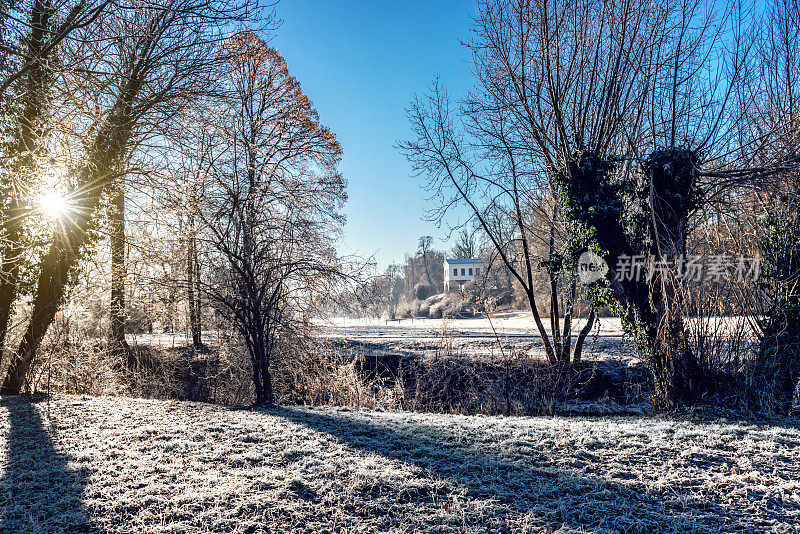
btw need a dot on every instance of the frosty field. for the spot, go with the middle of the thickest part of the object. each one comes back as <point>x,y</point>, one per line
<point>480,336</point>
<point>83,464</point>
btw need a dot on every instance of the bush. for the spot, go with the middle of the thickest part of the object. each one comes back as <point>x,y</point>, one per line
<point>76,368</point>
<point>453,307</point>
<point>422,291</point>
<point>404,309</point>
<point>415,308</point>
<point>418,309</point>
<point>437,309</point>
<point>365,375</point>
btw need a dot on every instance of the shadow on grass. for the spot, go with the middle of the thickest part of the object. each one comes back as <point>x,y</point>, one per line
<point>38,491</point>
<point>554,497</point>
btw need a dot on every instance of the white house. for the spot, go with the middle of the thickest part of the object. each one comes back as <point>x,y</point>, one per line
<point>461,271</point>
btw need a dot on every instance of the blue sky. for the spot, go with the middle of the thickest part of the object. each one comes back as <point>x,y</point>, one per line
<point>361,62</point>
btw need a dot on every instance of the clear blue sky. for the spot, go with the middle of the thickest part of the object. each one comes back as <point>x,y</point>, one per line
<point>360,62</point>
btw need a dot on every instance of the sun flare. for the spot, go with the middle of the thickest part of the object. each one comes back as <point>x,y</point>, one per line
<point>53,204</point>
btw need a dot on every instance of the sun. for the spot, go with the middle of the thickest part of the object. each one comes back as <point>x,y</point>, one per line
<point>53,204</point>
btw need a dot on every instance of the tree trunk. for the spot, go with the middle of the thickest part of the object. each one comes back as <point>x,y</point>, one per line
<point>678,375</point>
<point>35,92</point>
<point>427,272</point>
<point>116,342</point>
<point>193,296</point>
<point>578,353</point>
<point>51,287</point>
<point>677,372</point>
<point>10,276</point>
<point>773,382</point>
<point>562,351</point>
<point>654,311</point>
<point>552,358</point>
<point>198,299</point>
<point>266,377</point>
<point>262,377</point>
<point>257,382</point>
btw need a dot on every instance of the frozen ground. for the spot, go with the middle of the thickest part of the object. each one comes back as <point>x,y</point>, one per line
<point>82,464</point>
<point>473,337</point>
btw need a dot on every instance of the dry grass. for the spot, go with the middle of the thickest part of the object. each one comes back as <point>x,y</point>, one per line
<point>123,465</point>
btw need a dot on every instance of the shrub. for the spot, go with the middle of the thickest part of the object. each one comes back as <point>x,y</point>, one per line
<point>444,307</point>
<point>363,375</point>
<point>404,309</point>
<point>424,309</point>
<point>422,291</point>
<point>775,373</point>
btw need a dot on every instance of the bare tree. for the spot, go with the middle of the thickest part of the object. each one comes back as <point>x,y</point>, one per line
<point>423,250</point>
<point>770,141</point>
<point>613,120</point>
<point>466,245</point>
<point>554,79</point>
<point>271,210</point>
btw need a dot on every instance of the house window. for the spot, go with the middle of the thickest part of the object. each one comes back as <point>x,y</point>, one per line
<point>470,271</point>
<point>462,272</point>
<point>477,271</point>
<point>455,272</point>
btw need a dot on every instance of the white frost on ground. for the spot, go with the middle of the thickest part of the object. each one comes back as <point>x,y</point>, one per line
<point>82,464</point>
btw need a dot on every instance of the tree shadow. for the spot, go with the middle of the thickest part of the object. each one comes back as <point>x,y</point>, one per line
<point>556,497</point>
<point>39,492</point>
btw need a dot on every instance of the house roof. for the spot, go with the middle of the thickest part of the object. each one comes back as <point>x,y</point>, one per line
<point>473,260</point>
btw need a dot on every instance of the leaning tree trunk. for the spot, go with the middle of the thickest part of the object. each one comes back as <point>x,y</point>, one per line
<point>35,91</point>
<point>51,288</point>
<point>69,240</point>
<point>9,280</point>
<point>577,355</point>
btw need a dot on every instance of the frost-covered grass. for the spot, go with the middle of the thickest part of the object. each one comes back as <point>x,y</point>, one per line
<point>123,465</point>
